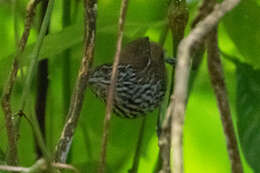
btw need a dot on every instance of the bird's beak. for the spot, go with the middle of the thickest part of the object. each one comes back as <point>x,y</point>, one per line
<point>171,61</point>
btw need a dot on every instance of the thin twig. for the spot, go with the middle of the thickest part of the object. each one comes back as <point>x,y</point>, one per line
<point>65,166</point>
<point>38,166</point>
<point>6,105</point>
<point>185,49</point>
<point>13,168</point>
<point>206,7</point>
<point>64,143</point>
<point>137,155</point>
<point>218,83</point>
<point>123,10</point>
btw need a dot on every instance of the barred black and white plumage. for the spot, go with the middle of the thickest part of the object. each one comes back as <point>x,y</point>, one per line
<point>141,79</point>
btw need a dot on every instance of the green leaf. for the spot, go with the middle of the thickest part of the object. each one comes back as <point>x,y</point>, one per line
<point>55,43</point>
<point>243,27</point>
<point>248,112</point>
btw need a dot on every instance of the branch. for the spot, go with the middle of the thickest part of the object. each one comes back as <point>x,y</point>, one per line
<point>178,18</point>
<point>205,9</point>
<point>65,140</point>
<point>123,10</point>
<point>6,105</point>
<point>65,166</point>
<point>185,49</point>
<point>40,165</point>
<point>164,141</point>
<point>13,168</point>
<point>218,83</point>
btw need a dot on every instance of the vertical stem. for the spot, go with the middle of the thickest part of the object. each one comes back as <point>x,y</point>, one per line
<point>64,143</point>
<point>123,10</point>
<point>218,83</point>
<point>178,18</point>
<point>206,7</point>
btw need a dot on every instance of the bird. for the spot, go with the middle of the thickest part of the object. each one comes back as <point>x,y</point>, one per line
<point>141,79</point>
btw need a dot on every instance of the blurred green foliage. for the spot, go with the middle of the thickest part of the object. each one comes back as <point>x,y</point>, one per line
<point>204,141</point>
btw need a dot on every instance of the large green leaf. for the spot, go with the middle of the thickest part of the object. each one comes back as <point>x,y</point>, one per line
<point>248,112</point>
<point>55,43</point>
<point>243,26</point>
